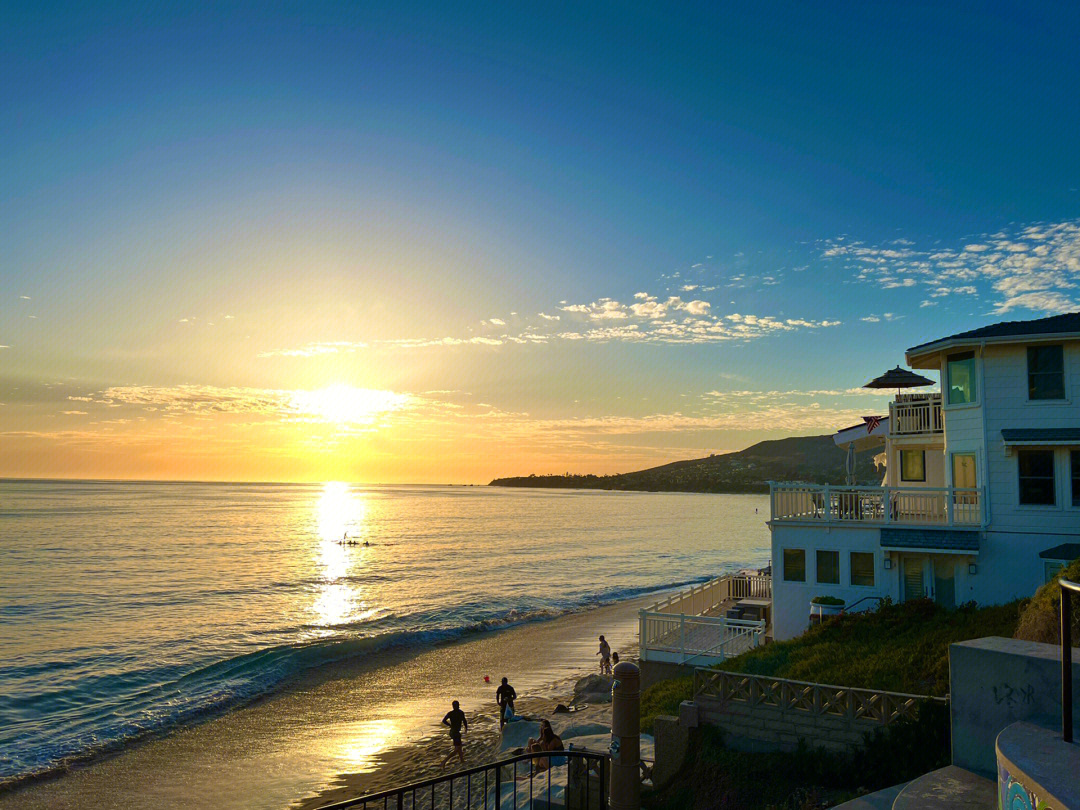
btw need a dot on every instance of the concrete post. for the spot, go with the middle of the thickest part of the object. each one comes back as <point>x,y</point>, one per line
<point>625,791</point>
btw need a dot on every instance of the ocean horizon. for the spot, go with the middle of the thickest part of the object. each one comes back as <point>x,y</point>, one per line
<point>134,608</point>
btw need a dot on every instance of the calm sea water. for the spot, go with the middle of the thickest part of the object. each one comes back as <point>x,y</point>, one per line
<point>128,608</point>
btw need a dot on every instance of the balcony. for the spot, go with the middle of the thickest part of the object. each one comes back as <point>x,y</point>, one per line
<point>915,414</point>
<point>876,506</point>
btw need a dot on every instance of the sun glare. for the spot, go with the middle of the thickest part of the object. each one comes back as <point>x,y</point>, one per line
<point>343,404</point>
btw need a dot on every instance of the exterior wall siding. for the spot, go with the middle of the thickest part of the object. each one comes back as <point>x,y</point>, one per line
<point>1008,565</point>
<point>1008,407</point>
<point>791,600</point>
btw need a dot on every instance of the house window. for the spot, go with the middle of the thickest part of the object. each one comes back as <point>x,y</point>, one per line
<point>1046,372</point>
<point>862,568</point>
<point>794,565</point>
<point>1074,460</point>
<point>912,465</point>
<point>963,471</point>
<point>1051,568</point>
<point>961,369</point>
<point>828,567</point>
<point>1037,477</point>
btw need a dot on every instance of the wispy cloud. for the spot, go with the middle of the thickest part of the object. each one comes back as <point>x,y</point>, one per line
<point>1034,267</point>
<point>647,318</point>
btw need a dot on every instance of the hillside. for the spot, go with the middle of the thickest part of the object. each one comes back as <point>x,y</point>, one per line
<point>802,458</point>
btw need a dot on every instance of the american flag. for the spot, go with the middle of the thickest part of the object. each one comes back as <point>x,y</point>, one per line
<point>872,422</point>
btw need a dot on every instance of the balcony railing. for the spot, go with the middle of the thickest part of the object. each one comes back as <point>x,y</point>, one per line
<point>926,506</point>
<point>909,415</point>
<point>706,597</point>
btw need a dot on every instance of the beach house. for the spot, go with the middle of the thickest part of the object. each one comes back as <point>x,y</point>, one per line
<point>980,495</point>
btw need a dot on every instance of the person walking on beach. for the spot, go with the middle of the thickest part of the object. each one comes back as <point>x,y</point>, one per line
<point>505,697</point>
<point>605,657</point>
<point>455,719</point>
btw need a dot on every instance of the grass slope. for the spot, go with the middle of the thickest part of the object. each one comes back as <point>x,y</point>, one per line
<point>899,648</point>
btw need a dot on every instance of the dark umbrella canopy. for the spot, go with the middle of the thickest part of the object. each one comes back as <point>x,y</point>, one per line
<point>898,378</point>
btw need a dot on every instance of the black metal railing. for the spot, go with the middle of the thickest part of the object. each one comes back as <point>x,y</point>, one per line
<point>574,780</point>
<point>1067,590</point>
<point>848,608</point>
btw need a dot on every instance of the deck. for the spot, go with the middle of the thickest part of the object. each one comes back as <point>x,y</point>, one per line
<point>694,627</point>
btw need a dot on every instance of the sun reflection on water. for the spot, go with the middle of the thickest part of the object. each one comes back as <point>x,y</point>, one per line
<point>340,515</point>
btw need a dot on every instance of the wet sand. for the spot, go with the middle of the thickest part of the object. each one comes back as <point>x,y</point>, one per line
<point>357,725</point>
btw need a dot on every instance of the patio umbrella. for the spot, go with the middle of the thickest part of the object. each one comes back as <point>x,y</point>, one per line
<point>849,465</point>
<point>899,378</point>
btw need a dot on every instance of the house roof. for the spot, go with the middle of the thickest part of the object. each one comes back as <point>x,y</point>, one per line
<point>1066,551</point>
<point>940,539</point>
<point>1040,435</point>
<point>1068,323</point>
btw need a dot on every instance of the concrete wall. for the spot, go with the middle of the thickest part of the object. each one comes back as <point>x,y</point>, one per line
<point>773,714</point>
<point>994,682</point>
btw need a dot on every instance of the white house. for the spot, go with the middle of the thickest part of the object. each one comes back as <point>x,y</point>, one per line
<point>980,500</point>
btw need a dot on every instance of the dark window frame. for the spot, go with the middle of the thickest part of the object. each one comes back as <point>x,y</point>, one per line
<point>1042,375</point>
<point>801,551</point>
<point>962,357</point>
<point>851,570</point>
<point>904,478</point>
<point>1074,464</point>
<point>1029,455</point>
<point>817,567</point>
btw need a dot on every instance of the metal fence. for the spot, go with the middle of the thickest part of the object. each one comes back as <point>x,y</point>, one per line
<point>569,780</point>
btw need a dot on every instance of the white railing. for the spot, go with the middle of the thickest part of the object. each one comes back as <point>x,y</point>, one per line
<point>709,595</point>
<point>933,506</point>
<point>914,416</point>
<point>679,638</point>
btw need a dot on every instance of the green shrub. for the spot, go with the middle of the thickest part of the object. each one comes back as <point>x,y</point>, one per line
<point>898,648</point>
<point>1041,619</point>
<point>664,697</point>
<point>828,600</point>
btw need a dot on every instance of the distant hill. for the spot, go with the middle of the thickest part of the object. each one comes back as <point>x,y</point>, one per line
<point>815,459</point>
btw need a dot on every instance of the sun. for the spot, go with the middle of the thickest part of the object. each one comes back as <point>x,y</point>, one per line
<point>343,404</point>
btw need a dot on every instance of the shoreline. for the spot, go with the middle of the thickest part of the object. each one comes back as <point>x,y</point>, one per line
<point>364,721</point>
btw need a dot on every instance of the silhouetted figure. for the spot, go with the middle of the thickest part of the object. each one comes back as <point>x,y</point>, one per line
<point>547,741</point>
<point>455,719</point>
<point>614,659</point>
<point>605,657</point>
<point>505,697</point>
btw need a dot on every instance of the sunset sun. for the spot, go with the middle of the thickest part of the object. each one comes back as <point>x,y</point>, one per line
<point>345,405</point>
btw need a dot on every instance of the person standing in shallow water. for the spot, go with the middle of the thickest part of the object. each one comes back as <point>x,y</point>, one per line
<point>505,697</point>
<point>605,657</point>
<point>455,719</point>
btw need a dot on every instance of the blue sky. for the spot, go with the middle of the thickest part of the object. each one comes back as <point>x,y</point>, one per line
<point>615,228</point>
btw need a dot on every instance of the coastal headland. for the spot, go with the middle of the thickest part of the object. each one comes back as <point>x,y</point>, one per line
<point>815,459</point>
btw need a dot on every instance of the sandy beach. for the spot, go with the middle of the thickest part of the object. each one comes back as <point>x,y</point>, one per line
<point>354,726</point>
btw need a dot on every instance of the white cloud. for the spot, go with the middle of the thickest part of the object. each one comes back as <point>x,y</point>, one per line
<point>497,321</point>
<point>547,317</point>
<point>1034,267</point>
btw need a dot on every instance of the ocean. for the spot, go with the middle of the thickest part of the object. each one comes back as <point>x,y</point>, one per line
<point>130,610</point>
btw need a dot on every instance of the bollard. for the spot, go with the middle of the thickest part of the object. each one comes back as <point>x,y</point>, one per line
<point>625,789</point>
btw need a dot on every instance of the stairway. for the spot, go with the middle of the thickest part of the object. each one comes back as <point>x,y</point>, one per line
<point>944,789</point>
